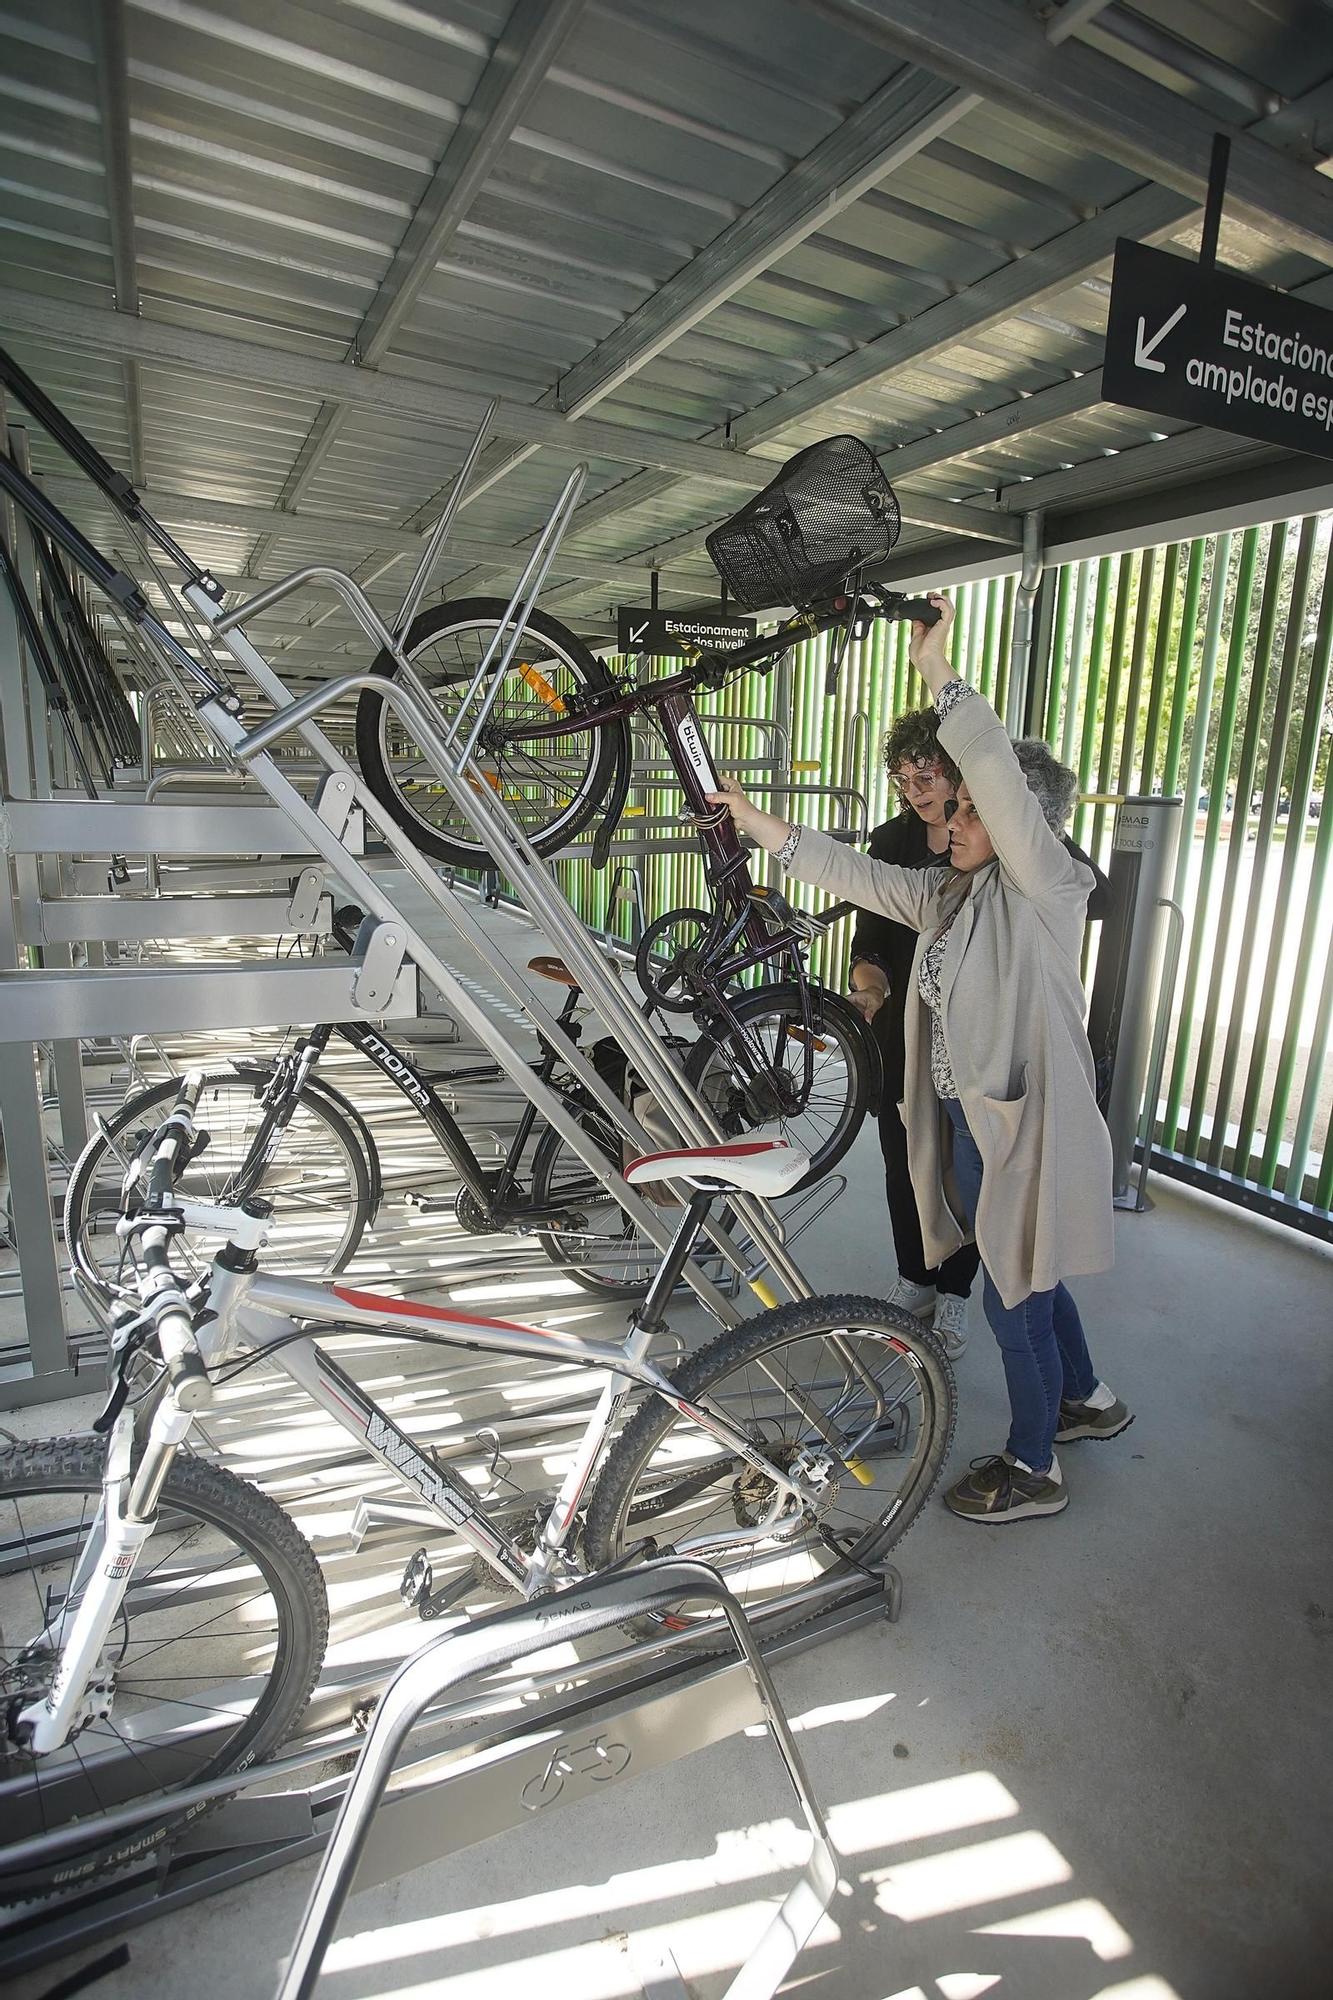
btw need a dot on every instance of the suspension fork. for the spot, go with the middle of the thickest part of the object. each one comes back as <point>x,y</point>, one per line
<point>105,1569</point>
<point>279,1100</point>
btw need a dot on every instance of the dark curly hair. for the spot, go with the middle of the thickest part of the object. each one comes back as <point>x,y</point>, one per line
<point>914,739</point>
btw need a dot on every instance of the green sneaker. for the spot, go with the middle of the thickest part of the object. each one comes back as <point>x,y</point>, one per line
<point>1004,1489</point>
<point>1094,1419</point>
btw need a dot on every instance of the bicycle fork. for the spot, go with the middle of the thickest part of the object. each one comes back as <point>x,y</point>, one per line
<point>103,1572</point>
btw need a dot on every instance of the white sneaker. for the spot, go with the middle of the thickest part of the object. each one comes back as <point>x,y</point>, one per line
<point>913,1298</point>
<point>951,1323</point>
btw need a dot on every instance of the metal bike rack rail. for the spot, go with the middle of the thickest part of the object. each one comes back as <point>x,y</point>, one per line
<point>490,1754</point>
<point>499,1641</point>
<point>510,848</point>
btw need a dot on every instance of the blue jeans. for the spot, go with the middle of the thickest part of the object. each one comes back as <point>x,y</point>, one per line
<point>1041,1340</point>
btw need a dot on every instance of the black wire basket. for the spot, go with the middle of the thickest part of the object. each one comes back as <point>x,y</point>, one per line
<point>828,512</point>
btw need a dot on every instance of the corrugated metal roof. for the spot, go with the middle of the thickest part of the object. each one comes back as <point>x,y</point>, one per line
<point>670,218</point>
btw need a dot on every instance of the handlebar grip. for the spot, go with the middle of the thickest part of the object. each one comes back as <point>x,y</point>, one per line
<point>187,1097</point>
<point>919,609</point>
<point>184,1363</point>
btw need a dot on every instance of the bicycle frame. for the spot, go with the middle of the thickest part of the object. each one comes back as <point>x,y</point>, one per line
<point>272,1316</point>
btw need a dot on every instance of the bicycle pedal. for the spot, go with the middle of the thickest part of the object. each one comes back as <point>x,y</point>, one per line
<point>417,1579</point>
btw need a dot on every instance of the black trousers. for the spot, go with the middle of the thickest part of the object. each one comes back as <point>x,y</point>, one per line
<point>956,1273</point>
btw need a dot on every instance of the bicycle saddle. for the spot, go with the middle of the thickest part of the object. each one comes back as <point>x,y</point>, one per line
<point>553,968</point>
<point>752,1166</point>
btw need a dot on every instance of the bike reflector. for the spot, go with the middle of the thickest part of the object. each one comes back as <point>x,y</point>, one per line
<point>827,513</point>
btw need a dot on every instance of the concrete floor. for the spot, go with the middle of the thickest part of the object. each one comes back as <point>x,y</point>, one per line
<point>1091,1760</point>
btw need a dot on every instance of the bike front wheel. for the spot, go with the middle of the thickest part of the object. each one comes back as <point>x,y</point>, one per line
<point>817,1386</point>
<point>317,1179</point>
<point>813,1085</point>
<point>209,1666</point>
<point>551,786</point>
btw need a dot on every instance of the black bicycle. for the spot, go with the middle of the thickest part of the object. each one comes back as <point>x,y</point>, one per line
<point>282,1130</point>
<point>553,742</point>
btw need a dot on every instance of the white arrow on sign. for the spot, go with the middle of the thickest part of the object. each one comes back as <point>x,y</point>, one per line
<point>636,632</point>
<point>1145,349</point>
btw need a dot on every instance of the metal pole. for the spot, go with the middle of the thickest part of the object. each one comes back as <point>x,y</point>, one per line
<point>1144,843</point>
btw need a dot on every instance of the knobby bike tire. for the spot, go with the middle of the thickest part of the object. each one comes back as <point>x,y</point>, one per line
<point>195,1492</point>
<point>835,1020</point>
<point>614,1524</point>
<point>149,1106</point>
<point>473,619</point>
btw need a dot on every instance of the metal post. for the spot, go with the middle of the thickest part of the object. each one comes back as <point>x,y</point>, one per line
<point>1147,831</point>
<point>20,1099</point>
<point>416,590</point>
<point>1020,650</point>
<point>505,1637</point>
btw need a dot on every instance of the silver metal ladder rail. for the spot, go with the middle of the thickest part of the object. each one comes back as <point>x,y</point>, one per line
<point>499,1641</point>
<point>525,870</point>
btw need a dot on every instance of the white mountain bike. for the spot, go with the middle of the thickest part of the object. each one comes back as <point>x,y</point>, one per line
<point>163,1622</point>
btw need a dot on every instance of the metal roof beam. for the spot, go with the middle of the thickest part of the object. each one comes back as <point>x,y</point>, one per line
<point>1023,283</point>
<point>348,533</point>
<point>1016,287</point>
<point>1003,53</point>
<point>893,126</point>
<point>519,62</point>
<point>112,69</point>
<point>63,323</point>
<point>518,66</point>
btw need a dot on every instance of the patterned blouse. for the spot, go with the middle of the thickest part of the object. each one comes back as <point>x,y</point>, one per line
<point>928,986</point>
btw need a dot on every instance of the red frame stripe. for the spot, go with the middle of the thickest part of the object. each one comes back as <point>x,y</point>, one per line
<point>379,1302</point>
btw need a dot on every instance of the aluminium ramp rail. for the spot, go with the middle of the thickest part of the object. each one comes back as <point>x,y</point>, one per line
<point>512,1635</point>
<point>529,875</point>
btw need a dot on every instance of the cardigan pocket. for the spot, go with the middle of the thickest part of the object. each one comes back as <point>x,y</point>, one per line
<point>1013,1120</point>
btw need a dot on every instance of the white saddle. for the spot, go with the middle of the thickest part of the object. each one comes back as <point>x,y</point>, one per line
<point>764,1167</point>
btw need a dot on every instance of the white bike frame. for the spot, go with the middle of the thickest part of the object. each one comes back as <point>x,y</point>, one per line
<point>273,1316</point>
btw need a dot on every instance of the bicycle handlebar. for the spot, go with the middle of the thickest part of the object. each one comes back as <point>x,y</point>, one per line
<point>764,651</point>
<point>175,1143</point>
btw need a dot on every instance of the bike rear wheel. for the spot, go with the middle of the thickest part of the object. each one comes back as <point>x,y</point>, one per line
<point>210,1665</point>
<point>551,788</point>
<point>318,1179</point>
<point>821,1116</point>
<point>827,1358</point>
<point>601,1250</point>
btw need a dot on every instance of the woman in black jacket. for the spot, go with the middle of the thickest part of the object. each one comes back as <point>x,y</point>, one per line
<point>882,952</point>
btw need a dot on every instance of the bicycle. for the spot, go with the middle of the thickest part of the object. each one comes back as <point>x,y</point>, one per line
<point>282,1130</point>
<point>172,1631</point>
<point>551,735</point>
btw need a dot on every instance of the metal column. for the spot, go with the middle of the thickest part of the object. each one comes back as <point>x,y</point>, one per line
<point>1143,859</point>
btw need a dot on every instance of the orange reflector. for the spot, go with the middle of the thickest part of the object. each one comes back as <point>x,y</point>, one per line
<point>542,688</point>
<point>813,1041</point>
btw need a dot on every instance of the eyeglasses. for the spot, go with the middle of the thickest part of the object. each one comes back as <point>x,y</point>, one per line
<point>920,784</point>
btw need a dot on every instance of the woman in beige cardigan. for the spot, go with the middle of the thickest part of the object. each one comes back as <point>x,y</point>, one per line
<point>1005,1141</point>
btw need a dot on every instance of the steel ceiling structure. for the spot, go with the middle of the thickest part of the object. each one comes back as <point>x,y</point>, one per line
<point>276,260</point>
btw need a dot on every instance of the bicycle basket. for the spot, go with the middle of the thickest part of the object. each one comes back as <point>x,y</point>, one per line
<point>829,510</point>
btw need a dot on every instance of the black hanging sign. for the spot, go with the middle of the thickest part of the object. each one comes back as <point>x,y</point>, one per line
<point>1185,340</point>
<point>663,632</point>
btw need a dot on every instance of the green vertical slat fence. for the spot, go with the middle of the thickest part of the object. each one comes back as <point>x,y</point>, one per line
<point>1200,667</point>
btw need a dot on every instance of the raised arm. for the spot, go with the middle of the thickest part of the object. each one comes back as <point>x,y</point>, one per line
<point>1035,859</point>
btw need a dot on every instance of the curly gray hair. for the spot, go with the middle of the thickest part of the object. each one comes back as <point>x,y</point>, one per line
<point>1052,784</point>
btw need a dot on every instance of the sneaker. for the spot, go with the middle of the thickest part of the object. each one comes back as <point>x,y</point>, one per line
<point>1004,1489</point>
<point>951,1323</point>
<point>1102,1415</point>
<point>913,1298</point>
